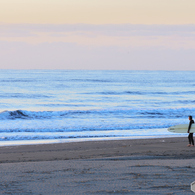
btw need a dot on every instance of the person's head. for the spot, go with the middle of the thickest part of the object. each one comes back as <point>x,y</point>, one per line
<point>190,118</point>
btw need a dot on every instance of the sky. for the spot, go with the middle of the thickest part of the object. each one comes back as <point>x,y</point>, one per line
<point>97,34</point>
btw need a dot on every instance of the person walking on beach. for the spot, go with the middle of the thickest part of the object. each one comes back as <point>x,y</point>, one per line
<point>190,136</point>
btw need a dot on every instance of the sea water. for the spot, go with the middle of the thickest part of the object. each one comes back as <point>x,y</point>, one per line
<point>49,106</point>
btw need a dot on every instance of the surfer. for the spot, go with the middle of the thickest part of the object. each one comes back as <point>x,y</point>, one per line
<point>190,136</point>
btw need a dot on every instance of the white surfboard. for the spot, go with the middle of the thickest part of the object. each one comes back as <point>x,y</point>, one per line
<point>183,128</point>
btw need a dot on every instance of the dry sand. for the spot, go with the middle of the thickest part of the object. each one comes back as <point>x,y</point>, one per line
<point>146,166</point>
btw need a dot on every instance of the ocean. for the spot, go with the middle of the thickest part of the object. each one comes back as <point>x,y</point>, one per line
<point>54,106</point>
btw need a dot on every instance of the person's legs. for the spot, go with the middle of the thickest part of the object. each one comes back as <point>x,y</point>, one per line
<point>189,139</point>
<point>192,139</point>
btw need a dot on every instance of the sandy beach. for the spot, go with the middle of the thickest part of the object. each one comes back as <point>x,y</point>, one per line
<point>144,166</point>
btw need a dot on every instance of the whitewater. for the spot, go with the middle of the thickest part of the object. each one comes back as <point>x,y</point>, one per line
<point>51,106</point>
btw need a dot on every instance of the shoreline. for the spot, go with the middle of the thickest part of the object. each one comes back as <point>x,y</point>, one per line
<point>73,140</point>
<point>107,136</point>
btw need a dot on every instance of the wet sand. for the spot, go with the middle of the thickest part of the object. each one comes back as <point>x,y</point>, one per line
<point>144,166</point>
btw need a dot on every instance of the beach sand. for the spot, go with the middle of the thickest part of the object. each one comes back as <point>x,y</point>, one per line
<point>144,166</point>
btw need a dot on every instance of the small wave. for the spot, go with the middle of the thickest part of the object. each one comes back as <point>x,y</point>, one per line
<point>23,96</point>
<point>92,80</point>
<point>182,93</point>
<point>185,101</point>
<point>17,80</point>
<point>10,138</point>
<point>13,115</point>
<point>130,93</point>
<point>82,135</point>
<point>99,113</point>
<point>21,114</point>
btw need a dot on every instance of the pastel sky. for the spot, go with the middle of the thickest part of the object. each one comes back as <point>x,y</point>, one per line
<point>103,34</point>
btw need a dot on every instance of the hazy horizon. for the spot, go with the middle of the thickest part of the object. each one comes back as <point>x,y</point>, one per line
<point>103,35</point>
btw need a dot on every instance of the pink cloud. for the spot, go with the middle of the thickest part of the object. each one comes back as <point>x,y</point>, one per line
<point>132,47</point>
